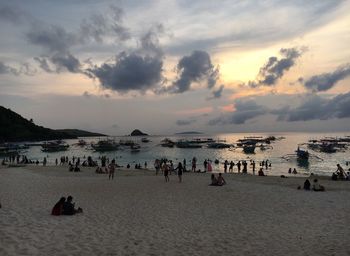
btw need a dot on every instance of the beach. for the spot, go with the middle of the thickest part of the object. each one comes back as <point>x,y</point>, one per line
<point>137,213</point>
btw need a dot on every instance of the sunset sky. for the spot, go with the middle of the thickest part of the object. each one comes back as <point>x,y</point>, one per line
<point>173,66</point>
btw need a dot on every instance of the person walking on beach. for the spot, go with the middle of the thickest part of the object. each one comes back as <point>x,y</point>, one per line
<point>179,169</point>
<point>165,169</point>
<point>111,168</point>
<point>225,166</point>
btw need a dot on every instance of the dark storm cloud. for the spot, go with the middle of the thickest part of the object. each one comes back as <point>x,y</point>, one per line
<point>194,68</point>
<point>185,122</point>
<point>326,81</point>
<point>216,94</point>
<point>317,108</point>
<point>129,72</point>
<point>139,70</point>
<point>245,110</point>
<point>275,68</point>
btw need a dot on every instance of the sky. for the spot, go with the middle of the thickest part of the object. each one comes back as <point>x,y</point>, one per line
<point>174,66</point>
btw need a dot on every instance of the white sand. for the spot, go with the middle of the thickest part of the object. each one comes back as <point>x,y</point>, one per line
<point>139,214</point>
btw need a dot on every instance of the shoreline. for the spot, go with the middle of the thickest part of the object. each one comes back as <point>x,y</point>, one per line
<point>290,180</point>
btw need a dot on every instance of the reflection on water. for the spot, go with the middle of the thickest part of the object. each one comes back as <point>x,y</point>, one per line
<point>151,150</point>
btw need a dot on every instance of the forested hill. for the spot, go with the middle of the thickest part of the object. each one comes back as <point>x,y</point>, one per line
<point>13,127</point>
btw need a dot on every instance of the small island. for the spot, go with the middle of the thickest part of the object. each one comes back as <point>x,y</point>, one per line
<point>137,132</point>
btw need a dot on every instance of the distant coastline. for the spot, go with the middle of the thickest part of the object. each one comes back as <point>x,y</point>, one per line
<point>15,128</point>
<point>188,133</point>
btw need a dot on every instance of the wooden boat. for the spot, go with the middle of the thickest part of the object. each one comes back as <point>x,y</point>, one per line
<point>167,143</point>
<point>105,145</point>
<point>54,146</point>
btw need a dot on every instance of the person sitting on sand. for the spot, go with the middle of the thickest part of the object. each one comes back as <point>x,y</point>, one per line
<point>307,184</point>
<point>261,172</point>
<point>214,180</point>
<point>295,171</point>
<point>58,208</point>
<point>98,169</point>
<point>290,170</point>
<point>68,207</point>
<point>221,180</point>
<point>317,187</point>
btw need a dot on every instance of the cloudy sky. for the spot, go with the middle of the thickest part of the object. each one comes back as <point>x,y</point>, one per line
<point>176,65</point>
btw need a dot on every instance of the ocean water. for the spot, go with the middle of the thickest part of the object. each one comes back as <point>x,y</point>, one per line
<point>152,150</point>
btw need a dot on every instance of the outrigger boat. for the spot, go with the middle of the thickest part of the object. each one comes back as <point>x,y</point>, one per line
<point>218,145</point>
<point>145,140</point>
<point>167,143</point>
<point>187,144</point>
<point>105,145</point>
<point>54,146</point>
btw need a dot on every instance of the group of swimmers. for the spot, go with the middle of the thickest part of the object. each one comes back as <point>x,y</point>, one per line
<point>65,207</point>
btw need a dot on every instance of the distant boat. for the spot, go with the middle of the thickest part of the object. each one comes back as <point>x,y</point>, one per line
<point>105,145</point>
<point>135,148</point>
<point>187,144</point>
<point>328,148</point>
<point>145,140</point>
<point>302,154</point>
<point>167,143</point>
<point>218,145</point>
<point>54,146</point>
<point>201,140</point>
<point>249,149</point>
<point>126,142</point>
<point>81,143</point>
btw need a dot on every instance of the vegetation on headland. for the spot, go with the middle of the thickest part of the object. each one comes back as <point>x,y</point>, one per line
<point>14,127</point>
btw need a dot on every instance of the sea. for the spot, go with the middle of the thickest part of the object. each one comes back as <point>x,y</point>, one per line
<point>281,154</point>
